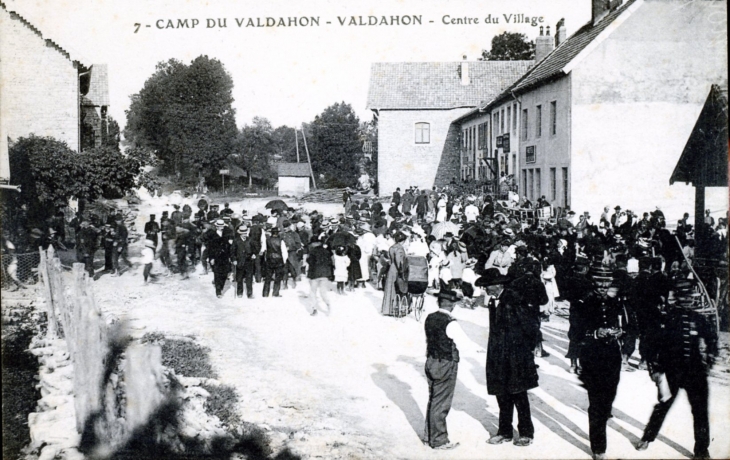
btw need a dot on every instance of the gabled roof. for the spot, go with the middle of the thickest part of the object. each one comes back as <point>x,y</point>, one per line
<point>704,158</point>
<point>554,63</point>
<point>437,85</point>
<point>64,50</point>
<point>293,169</point>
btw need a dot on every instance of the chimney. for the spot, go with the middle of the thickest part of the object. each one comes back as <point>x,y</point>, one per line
<point>544,45</point>
<point>560,32</point>
<point>464,72</point>
<point>599,10</point>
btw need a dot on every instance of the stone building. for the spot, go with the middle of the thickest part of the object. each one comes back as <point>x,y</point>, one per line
<point>416,104</point>
<point>293,179</point>
<point>45,90</point>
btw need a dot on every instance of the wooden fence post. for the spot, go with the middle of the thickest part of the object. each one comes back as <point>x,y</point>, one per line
<point>46,281</point>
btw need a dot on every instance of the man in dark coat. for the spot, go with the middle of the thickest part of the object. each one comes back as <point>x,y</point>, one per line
<point>276,256</point>
<point>176,215</point>
<point>422,205</point>
<point>151,230</point>
<point>87,244</point>
<point>683,357</point>
<point>219,255</point>
<point>320,271</point>
<point>601,325</point>
<point>576,289</point>
<point>442,364</point>
<point>244,255</point>
<point>514,332</point>
<point>396,197</point>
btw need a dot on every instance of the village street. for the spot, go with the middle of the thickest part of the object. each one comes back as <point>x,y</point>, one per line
<point>350,384</point>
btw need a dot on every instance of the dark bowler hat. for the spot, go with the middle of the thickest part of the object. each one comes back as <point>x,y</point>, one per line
<point>492,277</point>
<point>448,295</point>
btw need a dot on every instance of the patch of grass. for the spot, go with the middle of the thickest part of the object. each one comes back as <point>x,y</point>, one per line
<point>222,404</point>
<point>184,357</point>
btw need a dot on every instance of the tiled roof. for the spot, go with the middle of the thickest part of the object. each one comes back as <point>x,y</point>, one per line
<point>437,85</point>
<point>99,85</point>
<point>293,169</point>
<point>554,63</point>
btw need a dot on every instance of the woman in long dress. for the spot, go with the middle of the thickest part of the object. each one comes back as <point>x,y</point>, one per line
<point>441,213</point>
<point>397,255</point>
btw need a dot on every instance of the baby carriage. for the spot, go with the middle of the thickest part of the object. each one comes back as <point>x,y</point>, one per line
<point>412,300</point>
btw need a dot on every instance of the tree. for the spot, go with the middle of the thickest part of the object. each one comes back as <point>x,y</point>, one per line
<point>110,137</point>
<point>286,144</point>
<point>369,135</point>
<point>510,46</point>
<point>335,146</point>
<point>254,149</point>
<point>184,114</point>
<point>50,174</point>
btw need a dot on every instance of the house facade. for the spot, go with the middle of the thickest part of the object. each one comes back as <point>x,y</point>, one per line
<point>602,118</point>
<point>417,104</point>
<point>46,91</point>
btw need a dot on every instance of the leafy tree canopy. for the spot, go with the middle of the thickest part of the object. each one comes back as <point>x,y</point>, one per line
<point>335,146</point>
<point>510,46</point>
<point>50,174</point>
<point>184,114</point>
<point>254,149</point>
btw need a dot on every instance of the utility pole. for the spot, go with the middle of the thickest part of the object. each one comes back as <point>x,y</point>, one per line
<point>296,142</point>
<point>311,171</point>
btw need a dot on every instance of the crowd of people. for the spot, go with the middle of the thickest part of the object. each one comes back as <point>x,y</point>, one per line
<point>626,279</point>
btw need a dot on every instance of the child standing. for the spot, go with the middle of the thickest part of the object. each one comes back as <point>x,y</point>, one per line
<point>148,256</point>
<point>342,261</point>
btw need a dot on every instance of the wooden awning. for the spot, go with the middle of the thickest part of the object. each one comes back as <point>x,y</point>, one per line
<point>704,159</point>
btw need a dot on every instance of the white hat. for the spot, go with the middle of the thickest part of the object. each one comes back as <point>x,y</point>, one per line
<point>220,223</point>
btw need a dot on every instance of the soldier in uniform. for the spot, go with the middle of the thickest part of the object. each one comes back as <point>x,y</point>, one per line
<point>151,229</point>
<point>600,325</point>
<point>213,213</point>
<point>176,215</point>
<point>682,358</point>
<point>169,231</point>
<point>86,248</point>
<point>577,288</point>
<point>276,256</point>
<point>108,235</point>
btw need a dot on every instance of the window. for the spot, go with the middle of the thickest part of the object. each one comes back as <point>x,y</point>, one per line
<point>553,117</point>
<point>509,117</point>
<point>553,184</point>
<point>501,123</point>
<point>565,187</point>
<point>423,133</point>
<point>538,122</point>
<point>524,124</point>
<point>514,163</point>
<point>514,118</point>
<point>538,183</point>
<point>531,183</point>
<point>496,122</point>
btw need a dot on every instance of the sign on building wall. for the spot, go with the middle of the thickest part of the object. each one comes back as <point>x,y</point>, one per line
<point>505,142</point>
<point>499,141</point>
<point>530,154</point>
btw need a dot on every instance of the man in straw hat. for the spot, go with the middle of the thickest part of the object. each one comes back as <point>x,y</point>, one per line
<point>219,256</point>
<point>244,257</point>
<point>514,331</point>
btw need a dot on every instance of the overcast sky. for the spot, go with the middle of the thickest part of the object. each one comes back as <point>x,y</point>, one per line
<point>286,74</point>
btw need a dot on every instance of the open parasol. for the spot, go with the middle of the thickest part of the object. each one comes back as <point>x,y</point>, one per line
<point>279,205</point>
<point>440,229</point>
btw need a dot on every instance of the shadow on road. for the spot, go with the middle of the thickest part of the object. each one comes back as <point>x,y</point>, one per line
<point>400,393</point>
